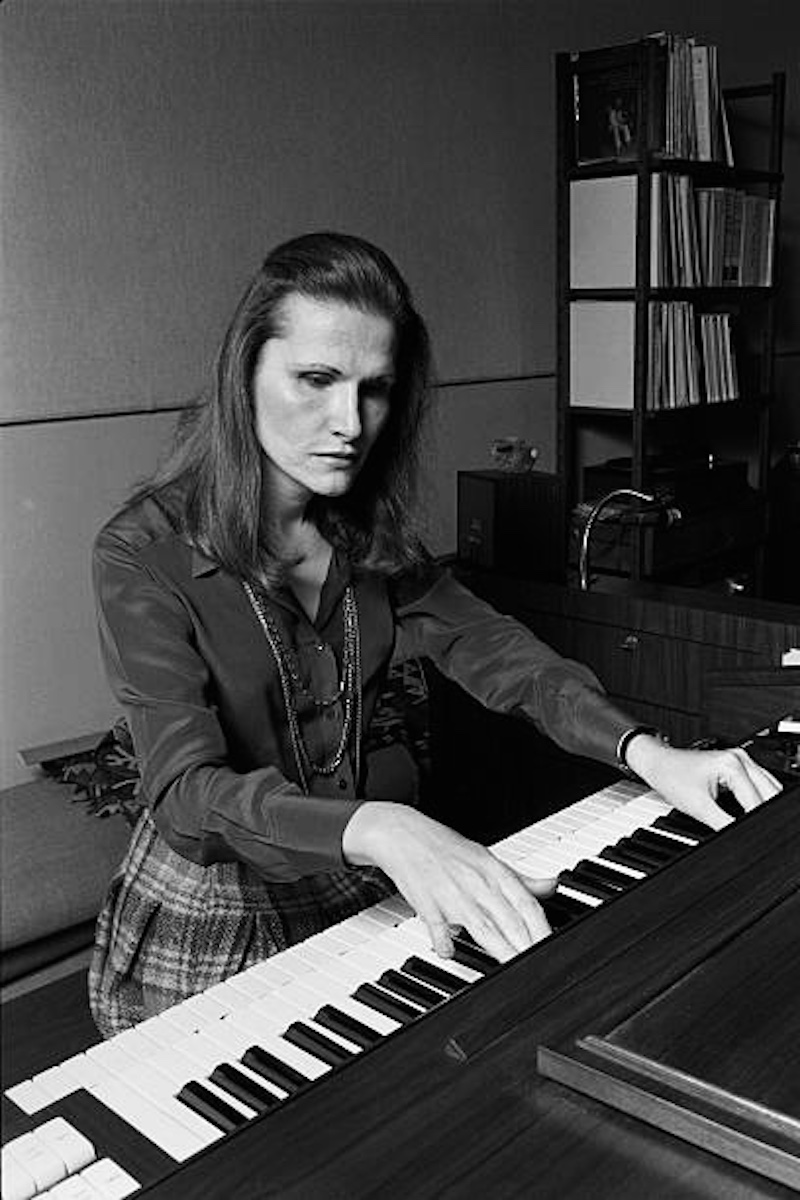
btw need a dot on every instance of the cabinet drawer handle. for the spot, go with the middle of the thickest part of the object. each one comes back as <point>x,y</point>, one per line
<point>630,643</point>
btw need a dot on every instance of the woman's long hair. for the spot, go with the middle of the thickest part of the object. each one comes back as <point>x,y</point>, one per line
<point>211,483</point>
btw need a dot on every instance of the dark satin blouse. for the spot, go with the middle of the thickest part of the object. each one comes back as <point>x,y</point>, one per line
<point>190,664</point>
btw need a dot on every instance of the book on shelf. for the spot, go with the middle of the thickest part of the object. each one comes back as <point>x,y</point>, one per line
<point>660,95</point>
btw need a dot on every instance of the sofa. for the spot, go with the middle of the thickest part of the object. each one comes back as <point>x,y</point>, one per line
<point>56,860</point>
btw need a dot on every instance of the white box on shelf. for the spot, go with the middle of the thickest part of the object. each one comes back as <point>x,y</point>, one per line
<point>601,353</point>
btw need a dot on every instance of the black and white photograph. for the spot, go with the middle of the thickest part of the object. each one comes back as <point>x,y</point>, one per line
<point>399,599</point>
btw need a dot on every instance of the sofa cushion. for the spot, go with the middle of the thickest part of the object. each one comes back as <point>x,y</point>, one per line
<point>56,860</point>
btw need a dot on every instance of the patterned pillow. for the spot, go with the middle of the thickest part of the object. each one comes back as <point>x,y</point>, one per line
<point>106,779</point>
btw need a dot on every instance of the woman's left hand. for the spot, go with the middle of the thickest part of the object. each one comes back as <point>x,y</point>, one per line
<point>692,780</point>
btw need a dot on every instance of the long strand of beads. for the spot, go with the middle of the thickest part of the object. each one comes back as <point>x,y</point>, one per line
<point>349,687</point>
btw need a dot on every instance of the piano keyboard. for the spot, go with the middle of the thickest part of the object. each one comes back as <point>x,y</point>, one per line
<point>186,1077</point>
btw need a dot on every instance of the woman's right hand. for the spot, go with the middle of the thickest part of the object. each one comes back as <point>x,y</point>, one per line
<point>450,881</point>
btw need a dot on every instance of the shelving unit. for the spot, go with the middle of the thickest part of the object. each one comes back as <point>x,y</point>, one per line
<point>608,358</point>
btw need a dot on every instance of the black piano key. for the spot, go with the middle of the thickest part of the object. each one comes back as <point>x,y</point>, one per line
<point>313,1041</point>
<point>729,804</point>
<point>628,859</point>
<point>669,846</point>
<point>212,1107</point>
<point>271,1068</point>
<point>560,911</point>
<point>230,1079</point>
<point>583,882</point>
<point>428,972</point>
<point>347,1026</point>
<point>472,956</point>
<point>375,998</point>
<point>410,989</point>
<point>679,822</point>
<point>601,874</point>
<point>641,854</point>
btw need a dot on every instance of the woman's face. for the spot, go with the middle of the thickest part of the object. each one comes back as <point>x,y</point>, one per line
<point>322,393</point>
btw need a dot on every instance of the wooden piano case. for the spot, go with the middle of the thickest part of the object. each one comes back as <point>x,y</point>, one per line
<point>715,1058</point>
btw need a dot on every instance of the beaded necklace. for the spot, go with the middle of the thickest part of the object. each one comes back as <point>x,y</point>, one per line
<point>348,692</point>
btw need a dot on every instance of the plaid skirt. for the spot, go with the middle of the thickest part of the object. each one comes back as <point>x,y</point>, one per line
<point>170,928</point>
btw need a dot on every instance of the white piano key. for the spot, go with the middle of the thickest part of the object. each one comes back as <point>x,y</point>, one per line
<point>72,1147</point>
<point>30,1096</point>
<point>278,1011</point>
<point>239,990</point>
<point>379,915</point>
<point>84,1069</point>
<point>304,997</point>
<point>668,834</point>
<point>353,935</point>
<point>364,923</point>
<point>593,840</point>
<point>136,1043</point>
<point>341,975</point>
<point>398,905</point>
<point>158,1030</point>
<point>207,1006</point>
<point>57,1082</point>
<point>111,1056</point>
<point>204,1051</point>
<point>364,959</point>
<point>74,1188</point>
<point>292,967</point>
<point>160,1126</point>
<point>267,975</point>
<point>38,1160</point>
<point>184,1019</point>
<point>17,1183</point>
<point>112,1182</point>
<point>651,804</point>
<point>394,951</point>
<point>582,897</point>
<point>330,941</point>
<point>316,956</point>
<point>620,868</point>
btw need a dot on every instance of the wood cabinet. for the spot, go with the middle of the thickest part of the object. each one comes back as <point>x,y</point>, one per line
<point>693,663</point>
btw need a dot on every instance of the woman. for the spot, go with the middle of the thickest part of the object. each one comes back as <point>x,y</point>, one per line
<point>251,599</point>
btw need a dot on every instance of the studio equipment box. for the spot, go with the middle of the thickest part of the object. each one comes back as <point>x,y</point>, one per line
<point>513,522</point>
